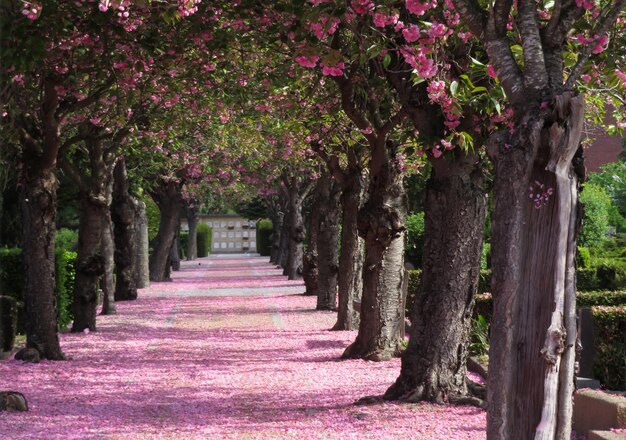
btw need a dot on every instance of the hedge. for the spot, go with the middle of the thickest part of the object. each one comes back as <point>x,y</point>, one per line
<point>609,363</point>
<point>609,323</point>
<point>12,282</point>
<point>603,277</point>
<point>264,230</point>
<point>204,239</point>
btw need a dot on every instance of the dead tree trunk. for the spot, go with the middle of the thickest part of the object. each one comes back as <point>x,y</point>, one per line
<point>533,329</point>
<point>434,363</point>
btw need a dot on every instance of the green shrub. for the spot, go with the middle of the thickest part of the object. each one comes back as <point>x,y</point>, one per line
<point>597,204</point>
<point>609,327</point>
<point>204,239</point>
<point>414,250</point>
<point>154,217</point>
<point>66,239</point>
<point>600,298</point>
<point>183,239</point>
<point>485,257</point>
<point>611,276</point>
<point>484,281</point>
<point>264,229</point>
<point>586,279</point>
<point>583,257</point>
<point>65,262</point>
<point>412,288</point>
<point>12,282</point>
<point>479,337</point>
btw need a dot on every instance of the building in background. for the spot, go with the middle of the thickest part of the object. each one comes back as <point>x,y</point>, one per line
<point>231,233</point>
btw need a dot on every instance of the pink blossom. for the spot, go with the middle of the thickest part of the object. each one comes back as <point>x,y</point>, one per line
<point>307,61</point>
<point>438,30</point>
<point>416,7</point>
<point>411,33</point>
<point>491,71</point>
<point>586,77</point>
<point>601,45</point>
<point>436,152</point>
<point>336,70</point>
<point>362,7</point>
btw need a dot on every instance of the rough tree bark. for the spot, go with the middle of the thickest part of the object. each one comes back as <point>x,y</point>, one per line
<point>168,197</point>
<point>123,214</point>
<point>142,266</point>
<point>328,242</point>
<point>174,254</point>
<point>293,268</point>
<point>533,328</point>
<point>283,247</point>
<point>381,223</point>
<point>89,262</point>
<point>275,209</point>
<point>350,277</point>
<point>298,190</point>
<point>191,213</point>
<point>309,265</point>
<point>107,281</point>
<point>38,198</point>
<point>433,365</point>
<point>94,184</point>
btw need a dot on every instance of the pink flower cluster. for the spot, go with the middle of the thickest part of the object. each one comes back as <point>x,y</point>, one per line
<point>31,10</point>
<point>416,7</point>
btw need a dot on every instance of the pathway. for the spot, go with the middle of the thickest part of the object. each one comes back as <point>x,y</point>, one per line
<point>229,350</point>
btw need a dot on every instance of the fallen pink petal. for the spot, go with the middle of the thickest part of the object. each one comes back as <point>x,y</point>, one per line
<point>228,350</point>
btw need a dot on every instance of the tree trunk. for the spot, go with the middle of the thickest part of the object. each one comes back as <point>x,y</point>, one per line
<point>350,278</point>
<point>533,330</point>
<point>174,254</point>
<point>277,226</point>
<point>108,251</point>
<point>381,223</point>
<point>38,206</point>
<point>309,264</point>
<point>192,239</point>
<point>283,250</point>
<point>141,263</point>
<point>328,243</point>
<point>124,213</point>
<point>168,197</point>
<point>433,365</point>
<point>293,268</point>
<point>90,262</point>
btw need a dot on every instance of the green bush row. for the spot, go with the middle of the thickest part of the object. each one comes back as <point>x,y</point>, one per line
<point>12,282</point>
<point>609,325</point>
<point>608,277</point>
<point>264,230</point>
<point>204,239</point>
<point>609,363</point>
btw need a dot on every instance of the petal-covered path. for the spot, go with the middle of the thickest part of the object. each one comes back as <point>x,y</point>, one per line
<point>229,350</point>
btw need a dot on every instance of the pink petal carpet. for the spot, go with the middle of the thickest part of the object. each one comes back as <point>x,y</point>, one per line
<point>229,350</point>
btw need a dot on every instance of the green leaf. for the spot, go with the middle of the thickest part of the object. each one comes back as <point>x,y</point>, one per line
<point>454,87</point>
<point>386,61</point>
